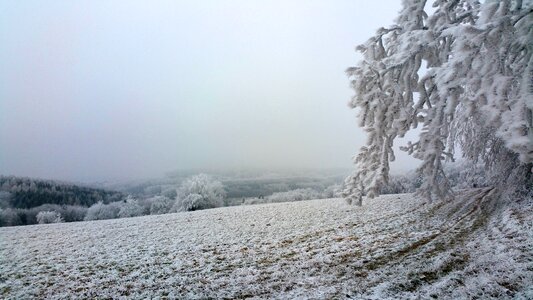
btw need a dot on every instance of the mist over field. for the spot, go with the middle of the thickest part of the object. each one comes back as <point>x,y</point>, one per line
<point>135,89</point>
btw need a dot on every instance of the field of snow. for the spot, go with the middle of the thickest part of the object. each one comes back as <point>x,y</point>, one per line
<point>395,246</point>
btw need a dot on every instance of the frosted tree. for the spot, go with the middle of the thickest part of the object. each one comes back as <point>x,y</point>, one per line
<point>199,192</point>
<point>130,208</point>
<point>462,75</point>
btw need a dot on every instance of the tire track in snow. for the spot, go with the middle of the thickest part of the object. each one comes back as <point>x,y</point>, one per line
<point>466,218</point>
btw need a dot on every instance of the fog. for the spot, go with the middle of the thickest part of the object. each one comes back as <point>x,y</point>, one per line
<point>96,90</point>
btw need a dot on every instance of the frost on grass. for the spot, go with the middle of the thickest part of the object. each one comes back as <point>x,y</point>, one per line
<point>396,246</point>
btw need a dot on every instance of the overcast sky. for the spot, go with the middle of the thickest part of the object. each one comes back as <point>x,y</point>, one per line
<point>94,90</point>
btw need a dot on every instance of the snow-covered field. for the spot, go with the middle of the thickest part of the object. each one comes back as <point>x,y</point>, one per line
<point>395,246</point>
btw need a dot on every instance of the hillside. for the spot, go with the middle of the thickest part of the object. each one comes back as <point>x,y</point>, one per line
<point>395,246</point>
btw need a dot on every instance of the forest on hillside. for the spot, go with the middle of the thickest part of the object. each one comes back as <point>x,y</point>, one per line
<point>22,192</point>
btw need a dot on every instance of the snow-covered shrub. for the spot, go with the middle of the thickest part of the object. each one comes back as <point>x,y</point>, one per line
<point>193,202</point>
<point>399,184</point>
<point>294,195</point>
<point>73,213</point>
<point>48,217</point>
<point>199,192</point>
<point>466,175</point>
<point>394,186</point>
<point>130,208</point>
<point>145,204</point>
<point>332,191</point>
<point>461,73</point>
<point>10,217</point>
<point>69,213</point>
<point>252,201</point>
<point>30,215</point>
<point>160,205</point>
<point>170,193</point>
<point>101,211</point>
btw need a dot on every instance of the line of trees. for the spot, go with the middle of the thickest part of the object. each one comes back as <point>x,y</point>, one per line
<point>461,175</point>
<point>195,193</point>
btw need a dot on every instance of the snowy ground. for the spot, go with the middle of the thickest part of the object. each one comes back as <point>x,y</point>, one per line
<point>393,247</point>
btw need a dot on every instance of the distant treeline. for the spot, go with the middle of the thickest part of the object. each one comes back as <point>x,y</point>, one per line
<point>264,187</point>
<point>21,192</point>
<point>63,202</point>
<point>25,201</point>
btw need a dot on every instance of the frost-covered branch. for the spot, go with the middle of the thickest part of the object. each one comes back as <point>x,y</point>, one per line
<point>463,75</point>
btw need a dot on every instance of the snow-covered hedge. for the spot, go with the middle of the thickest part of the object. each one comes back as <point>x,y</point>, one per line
<point>289,196</point>
<point>101,211</point>
<point>48,217</point>
<point>294,195</point>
